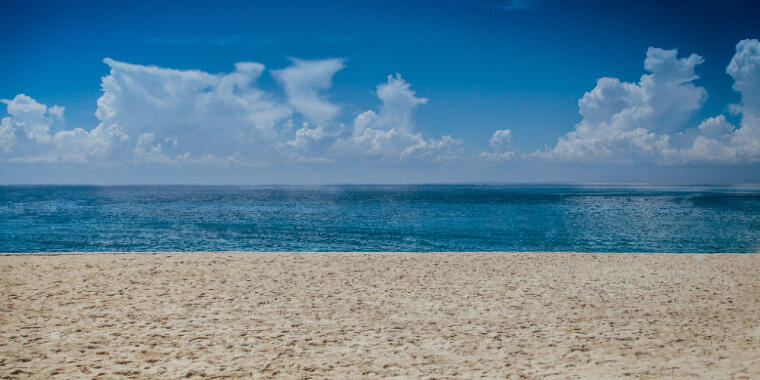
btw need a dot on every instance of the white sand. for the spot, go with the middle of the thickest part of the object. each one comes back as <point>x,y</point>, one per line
<point>416,315</point>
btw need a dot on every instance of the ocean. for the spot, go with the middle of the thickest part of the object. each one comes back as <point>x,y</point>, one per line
<point>379,218</point>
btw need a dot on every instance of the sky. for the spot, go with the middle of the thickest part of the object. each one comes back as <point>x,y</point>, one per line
<point>313,92</point>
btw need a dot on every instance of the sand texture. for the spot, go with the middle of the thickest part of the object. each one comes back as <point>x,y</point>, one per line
<point>410,315</point>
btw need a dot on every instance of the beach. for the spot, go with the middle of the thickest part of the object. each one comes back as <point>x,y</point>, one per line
<point>380,315</point>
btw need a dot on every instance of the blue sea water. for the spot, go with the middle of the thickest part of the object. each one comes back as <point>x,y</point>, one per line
<point>379,218</point>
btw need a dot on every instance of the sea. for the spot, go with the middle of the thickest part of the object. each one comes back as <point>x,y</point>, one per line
<point>416,218</point>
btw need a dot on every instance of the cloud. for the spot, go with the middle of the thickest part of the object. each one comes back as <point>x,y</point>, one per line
<point>745,69</point>
<point>501,145</point>
<point>311,143</point>
<point>399,104</point>
<point>148,151</point>
<point>203,113</point>
<point>161,116</point>
<point>501,140</point>
<point>150,115</point>
<point>26,136</point>
<point>640,122</point>
<point>7,134</point>
<point>391,134</point>
<point>33,118</point>
<point>78,145</point>
<point>621,120</point>
<point>305,83</point>
<point>718,140</point>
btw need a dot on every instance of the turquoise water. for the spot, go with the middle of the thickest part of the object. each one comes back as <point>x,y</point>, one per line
<point>379,218</point>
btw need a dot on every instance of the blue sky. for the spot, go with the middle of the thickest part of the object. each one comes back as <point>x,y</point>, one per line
<point>483,66</point>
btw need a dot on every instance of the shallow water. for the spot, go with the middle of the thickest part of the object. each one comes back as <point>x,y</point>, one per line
<point>379,218</point>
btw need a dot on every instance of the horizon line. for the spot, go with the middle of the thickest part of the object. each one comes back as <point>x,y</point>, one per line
<point>473,183</point>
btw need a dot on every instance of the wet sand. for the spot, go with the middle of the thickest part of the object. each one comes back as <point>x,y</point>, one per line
<point>379,315</point>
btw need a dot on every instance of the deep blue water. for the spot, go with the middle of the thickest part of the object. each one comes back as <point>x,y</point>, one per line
<point>379,218</point>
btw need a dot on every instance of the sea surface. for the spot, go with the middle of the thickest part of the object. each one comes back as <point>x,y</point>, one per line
<point>379,218</point>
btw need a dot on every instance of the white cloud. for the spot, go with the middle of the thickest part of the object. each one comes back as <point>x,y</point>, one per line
<point>311,143</point>
<point>78,145</point>
<point>194,117</point>
<point>154,115</point>
<point>26,135</point>
<point>501,145</point>
<point>303,83</point>
<point>7,134</point>
<point>391,134</point>
<point>715,127</point>
<point>638,122</point>
<point>32,117</point>
<point>745,69</point>
<point>719,141</point>
<point>621,120</point>
<point>399,104</point>
<point>56,112</point>
<point>212,114</point>
<point>148,151</point>
<point>501,140</point>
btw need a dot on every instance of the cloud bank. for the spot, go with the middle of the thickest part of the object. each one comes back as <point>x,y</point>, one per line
<point>644,121</point>
<point>154,115</point>
<point>151,115</point>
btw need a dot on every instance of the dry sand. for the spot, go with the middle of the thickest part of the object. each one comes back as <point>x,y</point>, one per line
<point>416,315</point>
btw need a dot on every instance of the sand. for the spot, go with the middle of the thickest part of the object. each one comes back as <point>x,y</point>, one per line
<point>380,315</point>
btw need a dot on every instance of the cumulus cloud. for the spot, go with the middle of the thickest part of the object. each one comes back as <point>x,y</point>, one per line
<point>78,145</point>
<point>391,134</point>
<point>155,115</point>
<point>304,83</point>
<point>203,113</point>
<point>718,140</point>
<point>624,122</point>
<point>745,69</point>
<point>150,151</point>
<point>645,121</point>
<point>32,117</point>
<point>399,104</point>
<point>162,116</point>
<point>7,134</point>
<point>501,145</point>
<point>26,135</point>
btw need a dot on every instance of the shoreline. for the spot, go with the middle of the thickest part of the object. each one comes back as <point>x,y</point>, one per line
<point>348,315</point>
<point>78,253</point>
